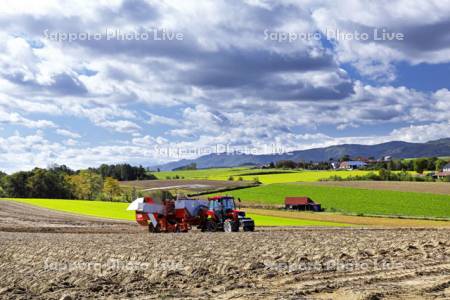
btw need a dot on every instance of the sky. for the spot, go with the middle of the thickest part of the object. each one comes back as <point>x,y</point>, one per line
<point>146,82</point>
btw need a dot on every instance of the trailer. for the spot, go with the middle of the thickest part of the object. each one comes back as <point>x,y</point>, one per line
<point>169,215</point>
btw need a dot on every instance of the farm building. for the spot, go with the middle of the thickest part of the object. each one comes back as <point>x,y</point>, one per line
<point>301,203</point>
<point>351,165</point>
<point>335,165</point>
<point>445,172</point>
<point>441,175</point>
<point>446,168</point>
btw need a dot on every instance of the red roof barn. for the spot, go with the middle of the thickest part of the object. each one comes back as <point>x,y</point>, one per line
<point>301,203</point>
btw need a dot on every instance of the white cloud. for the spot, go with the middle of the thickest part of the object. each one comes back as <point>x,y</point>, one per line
<point>157,119</point>
<point>17,119</point>
<point>149,141</point>
<point>422,133</point>
<point>124,126</point>
<point>423,24</point>
<point>68,133</point>
<point>70,142</point>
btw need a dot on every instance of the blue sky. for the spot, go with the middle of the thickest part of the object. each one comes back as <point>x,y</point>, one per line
<point>209,76</point>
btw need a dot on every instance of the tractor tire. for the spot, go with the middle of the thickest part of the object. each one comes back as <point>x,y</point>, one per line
<point>211,226</point>
<point>153,229</point>
<point>248,228</point>
<point>228,226</point>
<point>235,226</point>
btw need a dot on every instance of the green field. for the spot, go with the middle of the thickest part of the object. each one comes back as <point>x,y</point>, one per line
<point>261,220</point>
<point>102,209</point>
<point>286,176</point>
<point>353,200</point>
<point>303,176</point>
<point>222,173</point>
<point>117,210</point>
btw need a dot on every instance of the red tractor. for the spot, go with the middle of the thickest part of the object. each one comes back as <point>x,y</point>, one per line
<point>222,215</point>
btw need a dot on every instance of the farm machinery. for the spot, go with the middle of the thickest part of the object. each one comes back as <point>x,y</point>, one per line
<point>222,215</point>
<point>166,214</point>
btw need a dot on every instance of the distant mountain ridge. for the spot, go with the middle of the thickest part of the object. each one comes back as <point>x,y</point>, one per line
<point>396,149</point>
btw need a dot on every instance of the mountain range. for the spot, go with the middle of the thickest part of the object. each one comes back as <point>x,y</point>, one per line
<point>395,149</point>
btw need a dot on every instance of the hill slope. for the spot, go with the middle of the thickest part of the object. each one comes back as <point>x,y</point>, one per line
<point>396,149</point>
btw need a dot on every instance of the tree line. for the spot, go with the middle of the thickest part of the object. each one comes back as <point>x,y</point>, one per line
<point>290,164</point>
<point>387,175</point>
<point>60,182</point>
<point>419,164</point>
<point>123,172</point>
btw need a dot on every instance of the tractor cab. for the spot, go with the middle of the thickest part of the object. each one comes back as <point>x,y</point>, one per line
<point>222,204</point>
<point>223,216</point>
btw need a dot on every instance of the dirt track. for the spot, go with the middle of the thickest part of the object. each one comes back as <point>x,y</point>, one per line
<point>121,261</point>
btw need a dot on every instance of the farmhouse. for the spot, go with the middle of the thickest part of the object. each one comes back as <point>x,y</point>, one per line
<point>445,172</point>
<point>352,165</point>
<point>446,168</point>
<point>301,203</point>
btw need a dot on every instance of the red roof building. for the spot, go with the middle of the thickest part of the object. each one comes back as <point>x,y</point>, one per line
<point>301,203</point>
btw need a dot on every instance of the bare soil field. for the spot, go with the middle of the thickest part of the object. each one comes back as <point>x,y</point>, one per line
<point>402,186</point>
<point>122,261</point>
<point>195,184</point>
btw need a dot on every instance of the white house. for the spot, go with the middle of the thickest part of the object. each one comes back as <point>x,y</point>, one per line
<point>351,165</point>
<point>446,168</point>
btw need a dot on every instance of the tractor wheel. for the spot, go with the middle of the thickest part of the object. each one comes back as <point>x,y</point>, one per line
<point>235,226</point>
<point>249,228</point>
<point>154,229</point>
<point>228,226</point>
<point>211,226</point>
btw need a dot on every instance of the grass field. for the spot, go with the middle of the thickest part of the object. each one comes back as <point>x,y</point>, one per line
<point>304,176</point>
<point>102,209</point>
<point>117,210</point>
<point>353,200</point>
<point>220,173</point>
<point>285,176</point>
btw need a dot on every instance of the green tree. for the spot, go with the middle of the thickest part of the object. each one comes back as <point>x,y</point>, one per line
<point>134,194</point>
<point>15,185</point>
<point>384,174</point>
<point>48,184</point>
<point>111,188</point>
<point>420,165</point>
<point>87,184</point>
<point>286,164</point>
<point>346,157</point>
<point>440,163</point>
